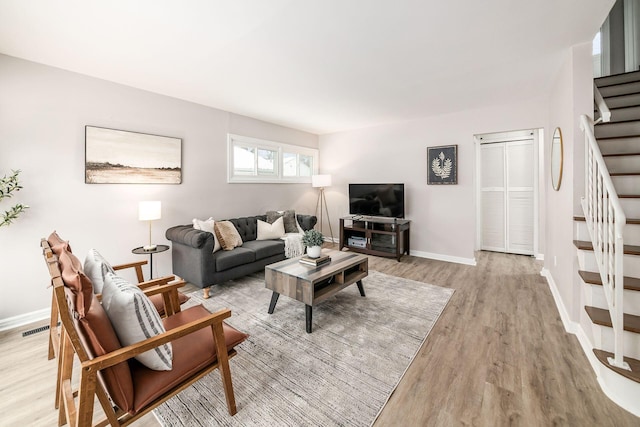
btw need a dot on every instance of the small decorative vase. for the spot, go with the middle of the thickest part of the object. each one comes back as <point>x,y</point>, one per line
<point>313,251</point>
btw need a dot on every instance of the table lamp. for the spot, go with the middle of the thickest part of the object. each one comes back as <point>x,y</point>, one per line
<point>149,211</point>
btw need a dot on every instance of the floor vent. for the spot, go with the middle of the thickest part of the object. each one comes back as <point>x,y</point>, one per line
<point>36,330</point>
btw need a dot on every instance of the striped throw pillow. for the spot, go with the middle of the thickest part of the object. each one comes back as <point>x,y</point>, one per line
<point>134,318</point>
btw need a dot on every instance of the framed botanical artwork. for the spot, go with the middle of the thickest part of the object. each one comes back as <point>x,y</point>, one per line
<point>442,163</point>
<point>122,157</point>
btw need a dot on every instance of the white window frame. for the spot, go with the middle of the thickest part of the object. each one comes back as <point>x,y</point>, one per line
<point>280,148</point>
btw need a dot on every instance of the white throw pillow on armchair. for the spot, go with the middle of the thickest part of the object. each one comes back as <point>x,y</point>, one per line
<point>134,318</point>
<point>207,225</point>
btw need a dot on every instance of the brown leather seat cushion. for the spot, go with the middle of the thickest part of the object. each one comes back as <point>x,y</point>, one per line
<point>191,354</point>
<point>100,338</point>
<point>158,302</point>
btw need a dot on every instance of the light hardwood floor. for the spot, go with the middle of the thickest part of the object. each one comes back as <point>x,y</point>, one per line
<point>498,356</point>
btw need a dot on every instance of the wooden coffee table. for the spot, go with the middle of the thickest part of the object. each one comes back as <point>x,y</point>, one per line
<point>312,285</point>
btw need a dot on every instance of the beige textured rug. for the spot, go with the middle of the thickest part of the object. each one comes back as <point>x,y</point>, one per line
<point>340,375</point>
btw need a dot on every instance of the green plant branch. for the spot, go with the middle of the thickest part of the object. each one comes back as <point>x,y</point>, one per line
<point>9,185</point>
<point>12,214</point>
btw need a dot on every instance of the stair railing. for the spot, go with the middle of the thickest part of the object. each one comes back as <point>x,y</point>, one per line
<point>603,109</point>
<point>605,221</point>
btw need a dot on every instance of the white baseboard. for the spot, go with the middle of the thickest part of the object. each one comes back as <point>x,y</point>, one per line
<point>569,325</point>
<point>540,257</point>
<point>625,397</point>
<point>447,258</point>
<point>24,319</point>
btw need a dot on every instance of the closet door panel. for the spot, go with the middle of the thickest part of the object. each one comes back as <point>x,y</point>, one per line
<point>493,200</point>
<point>520,217</point>
<point>493,230</point>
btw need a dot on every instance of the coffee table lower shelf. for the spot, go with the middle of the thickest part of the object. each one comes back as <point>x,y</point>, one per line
<point>312,285</point>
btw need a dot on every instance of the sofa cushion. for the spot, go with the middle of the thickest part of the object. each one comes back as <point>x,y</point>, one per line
<point>208,226</point>
<point>247,226</point>
<point>265,248</point>
<point>192,353</point>
<point>135,319</point>
<point>227,235</point>
<point>75,279</point>
<point>229,259</point>
<point>96,267</point>
<point>268,231</point>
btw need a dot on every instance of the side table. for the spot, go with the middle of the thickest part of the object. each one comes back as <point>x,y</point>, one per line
<point>142,251</point>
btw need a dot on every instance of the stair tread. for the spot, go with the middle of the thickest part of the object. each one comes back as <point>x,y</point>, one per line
<point>620,95</point>
<point>621,154</point>
<point>630,283</point>
<point>624,173</point>
<point>608,138</point>
<point>588,246</point>
<point>600,316</point>
<point>629,220</point>
<point>634,364</point>
<point>631,75</point>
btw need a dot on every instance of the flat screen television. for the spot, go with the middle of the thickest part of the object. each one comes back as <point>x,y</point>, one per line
<point>377,200</point>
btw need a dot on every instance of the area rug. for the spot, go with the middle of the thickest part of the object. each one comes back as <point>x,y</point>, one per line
<point>342,374</point>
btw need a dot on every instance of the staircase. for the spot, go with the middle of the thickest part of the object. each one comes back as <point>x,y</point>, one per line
<point>619,143</point>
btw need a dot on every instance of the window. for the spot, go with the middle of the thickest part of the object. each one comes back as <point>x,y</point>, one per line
<point>258,160</point>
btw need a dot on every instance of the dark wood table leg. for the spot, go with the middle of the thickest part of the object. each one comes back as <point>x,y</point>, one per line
<point>274,300</point>
<point>308,310</point>
<point>360,288</point>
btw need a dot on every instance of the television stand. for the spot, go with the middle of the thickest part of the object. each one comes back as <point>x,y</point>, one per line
<point>380,236</point>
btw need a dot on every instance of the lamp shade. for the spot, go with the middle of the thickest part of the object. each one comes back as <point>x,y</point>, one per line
<point>321,181</point>
<point>148,211</point>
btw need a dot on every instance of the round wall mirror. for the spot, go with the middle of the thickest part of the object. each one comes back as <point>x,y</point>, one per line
<point>556,159</point>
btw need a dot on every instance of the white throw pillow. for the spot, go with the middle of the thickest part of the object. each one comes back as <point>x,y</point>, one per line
<point>134,318</point>
<point>96,268</point>
<point>268,231</point>
<point>207,225</point>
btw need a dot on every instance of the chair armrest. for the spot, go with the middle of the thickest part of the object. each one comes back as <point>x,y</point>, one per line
<point>169,293</point>
<point>159,281</point>
<point>133,350</point>
<point>137,265</point>
<point>164,288</point>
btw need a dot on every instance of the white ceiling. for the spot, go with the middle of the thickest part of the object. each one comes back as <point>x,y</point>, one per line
<point>317,65</point>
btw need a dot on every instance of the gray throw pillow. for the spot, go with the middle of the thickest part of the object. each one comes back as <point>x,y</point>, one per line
<point>289,217</point>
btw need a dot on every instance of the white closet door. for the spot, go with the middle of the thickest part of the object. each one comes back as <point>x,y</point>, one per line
<point>520,180</point>
<point>507,196</point>
<point>493,200</point>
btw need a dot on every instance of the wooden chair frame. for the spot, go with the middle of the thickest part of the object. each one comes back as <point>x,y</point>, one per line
<point>55,341</point>
<point>80,414</point>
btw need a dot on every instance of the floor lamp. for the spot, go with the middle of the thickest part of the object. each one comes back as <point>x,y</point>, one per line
<point>322,181</point>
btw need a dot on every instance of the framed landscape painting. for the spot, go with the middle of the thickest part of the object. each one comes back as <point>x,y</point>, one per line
<point>122,157</point>
<point>442,163</point>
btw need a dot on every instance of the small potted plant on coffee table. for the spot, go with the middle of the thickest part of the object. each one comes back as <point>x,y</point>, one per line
<point>313,240</point>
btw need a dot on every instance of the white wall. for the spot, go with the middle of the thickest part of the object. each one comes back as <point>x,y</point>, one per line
<point>571,96</point>
<point>443,216</point>
<point>43,112</point>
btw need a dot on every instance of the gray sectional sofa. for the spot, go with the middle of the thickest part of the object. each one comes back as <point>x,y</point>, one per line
<point>195,262</point>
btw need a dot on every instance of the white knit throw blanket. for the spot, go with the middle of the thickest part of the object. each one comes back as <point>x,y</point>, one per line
<point>293,245</point>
